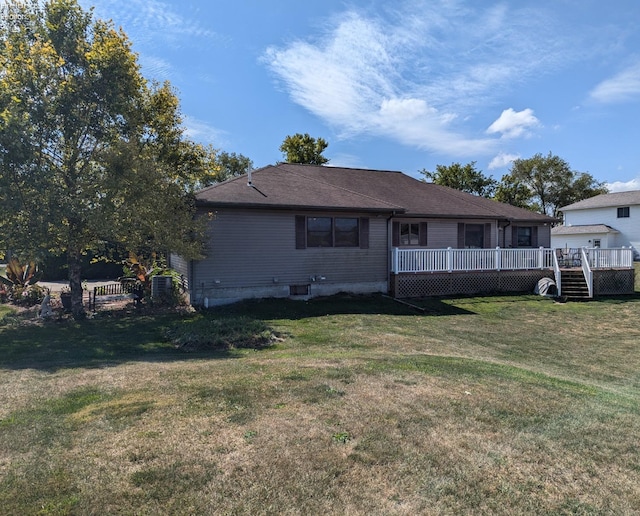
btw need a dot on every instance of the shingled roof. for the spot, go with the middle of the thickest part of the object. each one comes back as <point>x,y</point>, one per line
<point>585,229</point>
<point>606,201</point>
<point>294,186</point>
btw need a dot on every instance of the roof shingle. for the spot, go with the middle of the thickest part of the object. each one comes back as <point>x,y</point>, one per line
<point>290,185</point>
<point>606,201</point>
<point>583,229</point>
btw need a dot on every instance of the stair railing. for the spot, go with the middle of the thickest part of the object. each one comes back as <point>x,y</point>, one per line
<point>557,273</point>
<point>586,270</point>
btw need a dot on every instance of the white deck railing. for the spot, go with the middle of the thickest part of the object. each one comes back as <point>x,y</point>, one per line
<point>609,258</point>
<point>461,260</point>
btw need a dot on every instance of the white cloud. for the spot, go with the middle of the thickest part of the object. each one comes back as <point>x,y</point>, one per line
<point>502,160</point>
<point>620,186</point>
<point>148,21</point>
<point>622,87</point>
<point>202,132</point>
<point>345,160</point>
<point>420,75</point>
<point>514,124</point>
<point>155,67</point>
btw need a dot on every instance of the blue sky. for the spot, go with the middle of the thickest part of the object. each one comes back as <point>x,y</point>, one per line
<point>403,85</point>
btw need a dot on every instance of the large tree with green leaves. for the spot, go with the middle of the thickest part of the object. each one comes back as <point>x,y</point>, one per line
<point>302,148</point>
<point>229,164</point>
<point>462,177</point>
<point>91,154</point>
<point>546,183</point>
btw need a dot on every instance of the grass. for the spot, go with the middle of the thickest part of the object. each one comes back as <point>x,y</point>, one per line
<point>502,405</point>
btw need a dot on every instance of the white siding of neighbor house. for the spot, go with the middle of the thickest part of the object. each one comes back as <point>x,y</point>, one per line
<point>629,227</point>
<point>252,253</point>
<point>583,240</point>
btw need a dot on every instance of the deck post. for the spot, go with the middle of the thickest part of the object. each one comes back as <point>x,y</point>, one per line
<point>449,259</point>
<point>498,261</point>
<point>541,257</point>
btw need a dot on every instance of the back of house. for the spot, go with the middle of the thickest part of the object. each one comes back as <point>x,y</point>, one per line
<point>293,230</point>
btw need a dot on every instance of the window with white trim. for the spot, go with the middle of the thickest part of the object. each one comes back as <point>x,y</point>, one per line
<point>409,233</point>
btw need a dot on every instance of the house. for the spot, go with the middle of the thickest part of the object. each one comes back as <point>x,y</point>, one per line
<point>292,230</point>
<point>604,221</point>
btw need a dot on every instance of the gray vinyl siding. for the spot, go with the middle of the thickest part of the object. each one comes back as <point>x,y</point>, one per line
<point>543,235</point>
<point>257,249</point>
<point>442,234</point>
<point>180,265</point>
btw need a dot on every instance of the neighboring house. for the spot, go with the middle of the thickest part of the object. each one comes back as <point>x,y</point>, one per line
<point>605,221</point>
<point>305,230</point>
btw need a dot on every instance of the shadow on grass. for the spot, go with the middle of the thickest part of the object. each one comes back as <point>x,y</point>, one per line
<point>617,300</point>
<point>99,342</point>
<point>107,340</point>
<point>341,304</point>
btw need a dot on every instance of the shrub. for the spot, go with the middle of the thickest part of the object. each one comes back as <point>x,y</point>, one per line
<point>19,284</point>
<point>29,295</point>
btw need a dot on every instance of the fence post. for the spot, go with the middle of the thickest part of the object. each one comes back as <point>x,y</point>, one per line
<point>498,258</point>
<point>449,259</point>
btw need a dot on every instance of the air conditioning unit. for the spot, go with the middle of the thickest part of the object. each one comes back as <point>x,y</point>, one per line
<point>160,285</point>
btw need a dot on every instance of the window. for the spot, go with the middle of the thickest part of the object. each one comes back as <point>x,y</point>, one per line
<point>474,236</point>
<point>623,213</point>
<point>409,234</point>
<point>524,237</point>
<point>332,232</point>
<point>346,232</point>
<point>319,232</point>
<point>596,242</point>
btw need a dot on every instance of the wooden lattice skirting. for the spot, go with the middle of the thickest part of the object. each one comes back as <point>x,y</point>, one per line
<point>613,282</point>
<point>608,282</point>
<point>442,284</point>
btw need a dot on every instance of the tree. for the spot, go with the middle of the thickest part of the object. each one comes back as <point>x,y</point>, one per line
<point>302,148</point>
<point>91,154</point>
<point>551,183</point>
<point>462,177</point>
<point>512,191</point>
<point>228,165</point>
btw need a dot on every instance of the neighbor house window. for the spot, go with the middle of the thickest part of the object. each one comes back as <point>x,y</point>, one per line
<point>474,236</point>
<point>319,232</point>
<point>409,233</point>
<point>623,213</point>
<point>524,237</point>
<point>596,242</point>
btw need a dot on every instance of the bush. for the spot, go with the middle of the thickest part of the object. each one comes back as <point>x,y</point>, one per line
<point>4,293</point>
<point>27,296</point>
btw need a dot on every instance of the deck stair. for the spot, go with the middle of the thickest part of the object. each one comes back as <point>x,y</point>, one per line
<point>574,286</point>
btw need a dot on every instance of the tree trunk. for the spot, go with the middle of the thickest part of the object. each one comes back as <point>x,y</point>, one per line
<point>74,262</point>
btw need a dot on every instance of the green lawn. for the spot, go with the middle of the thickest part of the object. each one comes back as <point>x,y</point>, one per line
<point>501,405</point>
